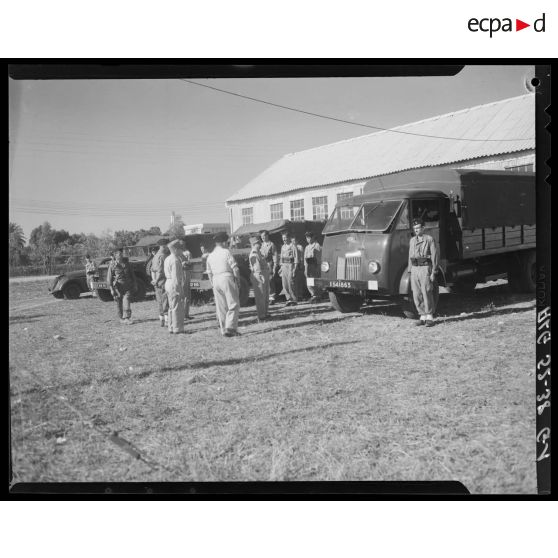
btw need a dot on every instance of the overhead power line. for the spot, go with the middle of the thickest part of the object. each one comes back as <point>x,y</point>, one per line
<point>353,123</point>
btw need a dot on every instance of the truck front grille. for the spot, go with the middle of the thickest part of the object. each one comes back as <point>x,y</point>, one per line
<point>348,268</point>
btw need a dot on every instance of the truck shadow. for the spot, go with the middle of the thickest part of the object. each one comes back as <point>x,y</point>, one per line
<point>26,319</point>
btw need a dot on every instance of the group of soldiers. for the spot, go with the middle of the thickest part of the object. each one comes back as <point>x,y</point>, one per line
<point>170,276</point>
<point>170,273</point>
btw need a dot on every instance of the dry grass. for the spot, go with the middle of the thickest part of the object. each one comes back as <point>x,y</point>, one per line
<point>311,395</point>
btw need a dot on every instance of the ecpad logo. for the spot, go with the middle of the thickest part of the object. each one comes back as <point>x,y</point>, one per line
<point>492,25</point>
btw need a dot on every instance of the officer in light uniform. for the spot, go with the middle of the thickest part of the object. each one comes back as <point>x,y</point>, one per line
<point>271,254</point>
<point>158,281</point>
<point>289,265</point>
<point>312,262</point>
<point>174,287</point>
<point>224,275</point>
<point>423,263</point>
<point>259,277</point>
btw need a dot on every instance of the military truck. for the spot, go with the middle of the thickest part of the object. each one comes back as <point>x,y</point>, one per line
<point>483,223</point>
<point>72,284</point>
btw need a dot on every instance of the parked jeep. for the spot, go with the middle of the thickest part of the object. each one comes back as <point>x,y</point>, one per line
<point>72,284</point>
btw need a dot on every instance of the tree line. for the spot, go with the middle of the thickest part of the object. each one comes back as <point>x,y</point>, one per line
<point>48,247</point>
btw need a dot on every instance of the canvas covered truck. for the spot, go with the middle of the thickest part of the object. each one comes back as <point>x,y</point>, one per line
<point>483,223</point>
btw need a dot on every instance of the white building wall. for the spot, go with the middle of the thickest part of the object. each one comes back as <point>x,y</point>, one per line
<point>261,206</point>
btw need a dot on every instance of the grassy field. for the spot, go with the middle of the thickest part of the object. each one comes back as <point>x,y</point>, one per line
<point>310,395</point>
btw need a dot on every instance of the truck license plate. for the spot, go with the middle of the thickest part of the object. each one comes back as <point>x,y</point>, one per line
<point>100,285</point>
<point>195,284</point>
<point>340,284</point>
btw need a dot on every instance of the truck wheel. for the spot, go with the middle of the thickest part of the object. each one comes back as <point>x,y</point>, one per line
<point>58,294</point>
<point>408,303</point>
<point>103,295</point>
<point>244,293</point>
<point>344,303</point>
<point>528,272</point>
<point>71,291</point>
<point>465,286</point>
<point>141,291</point>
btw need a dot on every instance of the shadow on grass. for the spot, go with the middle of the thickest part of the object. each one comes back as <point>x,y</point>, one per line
<point>485,314</point>
<point>25,319</point>
<point>233,361</point>
<point>299,324</point>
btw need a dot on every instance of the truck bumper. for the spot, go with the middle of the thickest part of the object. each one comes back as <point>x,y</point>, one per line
<point>201,285</point>
<point>338,284</point>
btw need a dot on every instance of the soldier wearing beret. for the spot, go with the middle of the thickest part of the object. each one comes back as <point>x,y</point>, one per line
<point>174,287</point>
<point>259,277</point>
<point>224,275</point>
<point>312,261</point>
<point>423,263</point>
<point>122,283</point>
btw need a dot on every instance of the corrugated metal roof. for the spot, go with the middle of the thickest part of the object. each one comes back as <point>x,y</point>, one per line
<point>507,126</point>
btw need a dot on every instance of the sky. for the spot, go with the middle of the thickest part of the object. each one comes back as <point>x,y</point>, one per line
<point>104,155</point>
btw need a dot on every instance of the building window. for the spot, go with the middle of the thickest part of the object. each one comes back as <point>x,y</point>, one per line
<point>529,167</point>
<point>319,208</point>
<point>297,210</point>
<point>346,212</point>
<point>247,215</point>
<point>276,210</point>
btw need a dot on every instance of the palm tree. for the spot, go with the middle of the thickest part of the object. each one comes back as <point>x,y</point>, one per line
<point>17,242</point>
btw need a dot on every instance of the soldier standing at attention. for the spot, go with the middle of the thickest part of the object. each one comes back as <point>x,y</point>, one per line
<point>289,264</point>
<point>90,270</point>
<point>271,255</point>
<point>174,287</point>
<point>423,263</point>
<point>158,281</point>
<point>122,283</point>
<point>312,262</point>
<point>259,278</point>
<point>224,275</point>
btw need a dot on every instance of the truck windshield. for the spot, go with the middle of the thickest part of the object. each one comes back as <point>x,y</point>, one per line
<point>136,251</point>
<point>376,216</point>
<point>341,218</point>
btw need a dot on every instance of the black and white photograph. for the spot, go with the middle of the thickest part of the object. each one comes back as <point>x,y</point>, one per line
<point>274,279</point>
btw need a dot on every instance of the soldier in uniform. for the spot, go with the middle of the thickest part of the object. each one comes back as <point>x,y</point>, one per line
<point>271,254</point>
<point>152,252</point>
<point>312,262</point>
<point>90,270</point>
<point>186,257</point>
<point>423,263</point>
<point>174,287</point>
<point>259,277</point>
<point>122,283</point>
<point>224,275</point>
<point>158,281</point>
<point>289,265</point>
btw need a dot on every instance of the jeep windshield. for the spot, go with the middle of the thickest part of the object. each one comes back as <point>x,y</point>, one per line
<point>373,217</point>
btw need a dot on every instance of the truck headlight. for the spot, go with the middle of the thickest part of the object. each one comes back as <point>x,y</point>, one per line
<point>325,267</point>
<point>373,267</point>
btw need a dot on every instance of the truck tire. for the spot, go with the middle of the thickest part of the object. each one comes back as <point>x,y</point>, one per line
<point>244,292</point>
<point>58,294</point>
<point>103,295</point>
<point>344,303</point>
<point>71,291</point>
<point>408,303</point>
<point>528,272</point>
<point>140,292</point>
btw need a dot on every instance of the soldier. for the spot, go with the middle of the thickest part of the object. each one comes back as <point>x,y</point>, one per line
<point>259,278</point>
<point>90,270</point>
<point>423,263</point>
<point>289,265</point>
<point>186,257</point>
<point>174,287</point>
<point>122,283</point>
<point>224,275</point>
<point>312,262</point>
<point>271,254</point>
<point>152,252</point>
<point>158,281</point>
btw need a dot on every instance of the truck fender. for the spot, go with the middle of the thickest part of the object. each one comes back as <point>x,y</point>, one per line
<point>405,283</point>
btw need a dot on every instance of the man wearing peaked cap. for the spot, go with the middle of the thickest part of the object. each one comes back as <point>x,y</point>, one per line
<point>174,286</point>
<point>271,255</point>
<point>224,275</point>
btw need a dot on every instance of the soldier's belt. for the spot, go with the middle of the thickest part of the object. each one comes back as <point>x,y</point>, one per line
<point>311,261</point>
<point>421,261</point>
<point>287,260</point>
